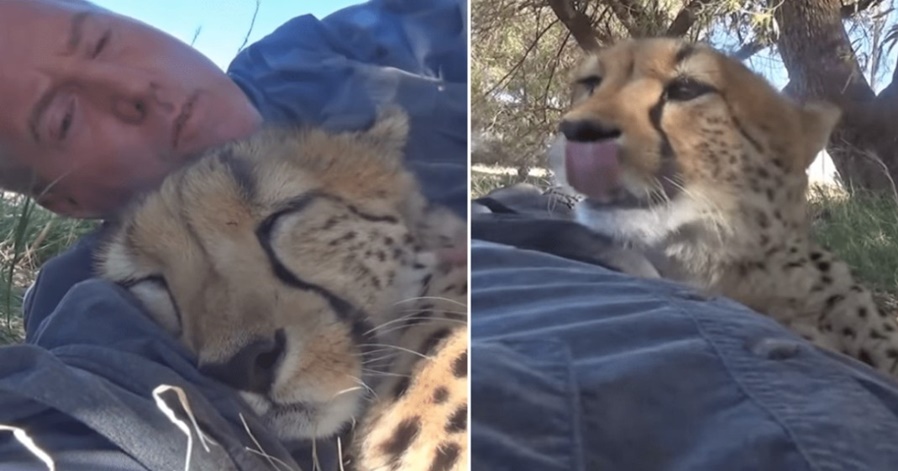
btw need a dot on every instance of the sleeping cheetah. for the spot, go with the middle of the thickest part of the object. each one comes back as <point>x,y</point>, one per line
<point>306,270</point>
<point>681,149</point>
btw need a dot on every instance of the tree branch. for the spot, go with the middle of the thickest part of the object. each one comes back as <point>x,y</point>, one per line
<point>252,23</point>
<point>577,23</point>
<point>633,16</point>
<point>748,50</point>
<point>517,65</point>
<point>890,92</point>
<point>622,12</point>
<point>852,9</point>
<point>604,35</point>
<point>686,18</point>
<point>894,81</point>
<point>551,79</point>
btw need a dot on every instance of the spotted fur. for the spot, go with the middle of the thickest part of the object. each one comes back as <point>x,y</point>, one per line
<point>713,173</point>
<point>307,271</point>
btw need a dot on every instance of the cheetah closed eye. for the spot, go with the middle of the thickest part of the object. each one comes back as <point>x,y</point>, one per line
<point>680,149</point>
<point>306,270</point>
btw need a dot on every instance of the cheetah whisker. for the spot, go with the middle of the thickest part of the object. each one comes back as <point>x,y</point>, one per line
<point>271,459</point>
<point>431,307</point>
<point>381,326</point>
<point>347,390</point>
<point>659,186</point>
<point>381,362</point>
<point>363,385</point>
<point>384,373</point>
<point>700,197</point>
<point>378,350</point>
<point>380,358</point>
<point>402,349</point>
<point>422,310</point>
<point>412,313</point>
<point>415,315</point>
<point>715,214</point>
<point>419,316</point>
<point>655,192</point>
<point>653,209</point>
<point>340,452</point>
<point>451,321</point>
<point>431,298</point>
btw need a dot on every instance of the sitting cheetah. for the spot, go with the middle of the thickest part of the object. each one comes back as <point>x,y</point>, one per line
<point>306,270</point>
<point>680,149</point>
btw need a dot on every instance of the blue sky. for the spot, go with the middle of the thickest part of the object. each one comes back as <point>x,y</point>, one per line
<point>224,26</point>
<point>223,23</point>
<point>769,64</point>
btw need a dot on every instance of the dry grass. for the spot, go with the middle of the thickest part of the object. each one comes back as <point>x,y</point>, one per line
<point>29,236</point>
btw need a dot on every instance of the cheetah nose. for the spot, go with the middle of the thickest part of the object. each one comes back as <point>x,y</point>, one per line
<point>253,367</point>
<point>583,130</point>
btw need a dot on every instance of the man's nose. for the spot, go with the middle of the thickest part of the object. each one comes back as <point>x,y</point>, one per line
<point>132,109</point>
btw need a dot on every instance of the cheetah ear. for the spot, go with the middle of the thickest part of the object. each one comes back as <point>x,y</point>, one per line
<point>389,133</point>
<point>818,118</point>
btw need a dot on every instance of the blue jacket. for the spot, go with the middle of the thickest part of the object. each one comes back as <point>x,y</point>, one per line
<point>577,368</point>
<point>81,385</point>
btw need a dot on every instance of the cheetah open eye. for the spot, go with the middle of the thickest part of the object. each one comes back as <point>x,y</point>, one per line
<point>685,89</point>
<point>590,83</point>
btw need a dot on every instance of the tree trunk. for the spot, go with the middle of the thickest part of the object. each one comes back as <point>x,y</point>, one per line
<point>817,54</point>
<point>686,18</point>
<point>577,23</point>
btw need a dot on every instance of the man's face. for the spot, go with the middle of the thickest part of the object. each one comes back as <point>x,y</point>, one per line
<point>101,106</point>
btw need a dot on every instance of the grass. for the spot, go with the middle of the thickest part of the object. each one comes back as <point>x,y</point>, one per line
<point>861,229</point>
<point>29,236</point>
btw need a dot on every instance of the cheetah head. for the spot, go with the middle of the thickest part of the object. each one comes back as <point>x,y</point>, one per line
<point>276,260</point>
<point>663,134</point>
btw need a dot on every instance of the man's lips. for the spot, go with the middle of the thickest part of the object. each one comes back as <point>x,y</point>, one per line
<point>180,122</point>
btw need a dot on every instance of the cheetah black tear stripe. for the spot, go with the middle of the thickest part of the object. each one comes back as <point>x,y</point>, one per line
<point>357,318</point>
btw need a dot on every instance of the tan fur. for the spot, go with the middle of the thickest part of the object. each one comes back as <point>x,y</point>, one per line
<point>435,405</point>
<point>726,204</point>
<point>334,277</point>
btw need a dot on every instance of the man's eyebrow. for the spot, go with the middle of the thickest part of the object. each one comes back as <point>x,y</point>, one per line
<point>76,30</point>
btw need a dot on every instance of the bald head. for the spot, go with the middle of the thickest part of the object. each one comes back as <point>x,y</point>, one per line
<point>99,106</point>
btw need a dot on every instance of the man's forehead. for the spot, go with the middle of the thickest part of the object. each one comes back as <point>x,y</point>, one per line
<point>44,6</point>
<point>26,24</point>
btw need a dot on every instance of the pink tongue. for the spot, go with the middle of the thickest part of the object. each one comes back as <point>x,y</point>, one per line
<point>592,168</point>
